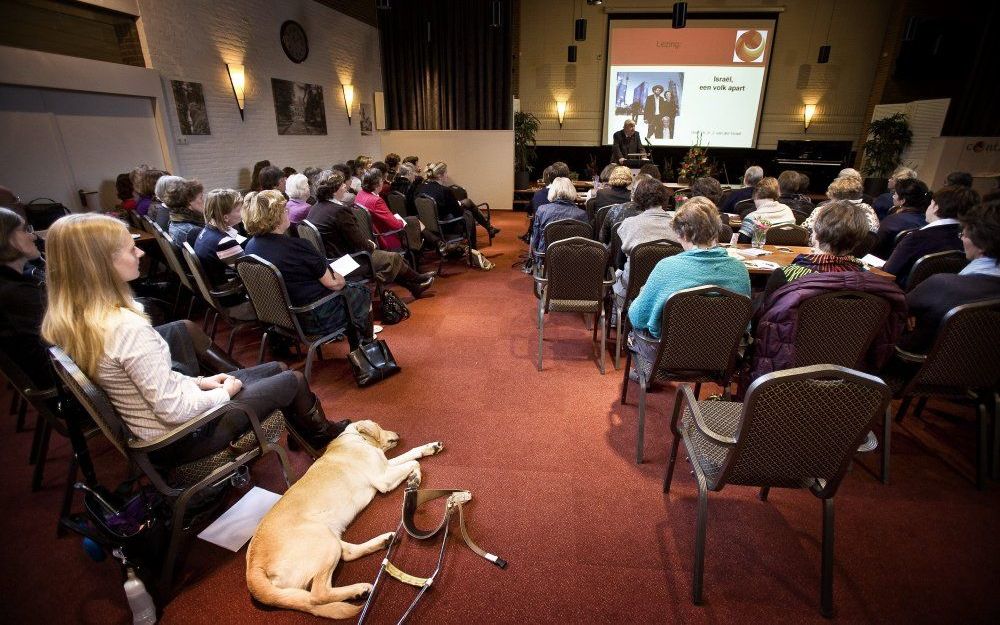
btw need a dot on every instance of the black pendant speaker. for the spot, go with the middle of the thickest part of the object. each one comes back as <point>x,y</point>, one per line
<point>571,54</point>
<point>680,15</point>
<point>581,29</point>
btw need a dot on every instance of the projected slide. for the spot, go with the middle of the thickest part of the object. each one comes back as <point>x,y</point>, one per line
<point>701,84</point>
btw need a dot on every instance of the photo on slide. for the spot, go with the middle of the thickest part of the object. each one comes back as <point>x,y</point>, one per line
<point>652,100</point>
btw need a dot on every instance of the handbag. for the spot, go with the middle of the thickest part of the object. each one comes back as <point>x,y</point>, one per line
<point>479,261</point>
<point>394,309</point>
<point>372,362</point>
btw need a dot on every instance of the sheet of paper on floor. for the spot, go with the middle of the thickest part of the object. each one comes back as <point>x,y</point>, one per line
<point>234,528</point>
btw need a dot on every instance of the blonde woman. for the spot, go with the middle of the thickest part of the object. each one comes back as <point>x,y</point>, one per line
<point>847,189</point>
<point>219,244</point>
<point>767,209</point>
<point>93,317</point>
<point>434,186</point>
<point>307,275</point>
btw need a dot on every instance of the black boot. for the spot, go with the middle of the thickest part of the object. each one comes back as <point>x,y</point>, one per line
<point>314,427</point>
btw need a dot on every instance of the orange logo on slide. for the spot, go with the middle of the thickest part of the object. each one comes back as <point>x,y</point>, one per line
<point>749,46</point>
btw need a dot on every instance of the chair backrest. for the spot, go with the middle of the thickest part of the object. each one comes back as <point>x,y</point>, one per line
<point>616,258</point>
<point>171,255</point>
<point>725,196</point>
<point>951,261</point>
<point>803,424</point>
<point>745,207</point>
<point>576,268</point>
<point>566,228</point>
<point>602,214</point>
<point>459,192</point>
<point>837,328</point>
<point>199,275</point>
<point>397,203</point>
<point>93,398</point>
<point>865,246</point>
<point>966,353</point>
<point>308,231</point>
<point>267,292</point>
<point>159,214</point>
<point>427,212</point>
<point>591,207</point>
<point>787,235</point>
<point>643,260</point>
<point>800,215</point>
<point>700,331</point>
<point>902,234</point>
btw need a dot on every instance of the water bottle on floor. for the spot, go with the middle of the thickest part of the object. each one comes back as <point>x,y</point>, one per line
<point>143,609</point>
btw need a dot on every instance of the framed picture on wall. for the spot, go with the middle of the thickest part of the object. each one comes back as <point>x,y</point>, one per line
<point>191,111</point>
<point>298,108</point>
<point>366,123</point>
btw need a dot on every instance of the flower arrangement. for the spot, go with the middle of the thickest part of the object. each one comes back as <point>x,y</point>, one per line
<point>759,233</point>
<point>695,163</point>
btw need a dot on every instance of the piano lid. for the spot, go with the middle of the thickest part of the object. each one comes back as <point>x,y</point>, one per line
<point>825,152</point>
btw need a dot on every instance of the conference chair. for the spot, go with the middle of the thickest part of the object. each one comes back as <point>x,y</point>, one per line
<point>787,235</point>
<point>902,234</point>
<point>269,297</point>
<point>800,215</point>
<point>557,230</point>
<point>797,428</point>
<point>602,214</point>
<point>237,316</point>
<point>641,262</point>
<point>308,231</point>
<point>591,207</point>
<point>463,196</point>
<point>576,281</point>
<point>616,257</point>
<point>951,261</point>
<point>962,365</point>
<point>745,207</point>
<point>397,203</point>
<point>365,221</point>
<point>700,333</point>
<point>172,257</point>
<point>452,231</point>
<point>188,480</point>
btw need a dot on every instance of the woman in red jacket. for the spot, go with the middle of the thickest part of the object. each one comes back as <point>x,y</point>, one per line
<point>383,220</point>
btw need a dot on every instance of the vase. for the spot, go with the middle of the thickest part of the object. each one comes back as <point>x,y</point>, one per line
<point>757,237</point>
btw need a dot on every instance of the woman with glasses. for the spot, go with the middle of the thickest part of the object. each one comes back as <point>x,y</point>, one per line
<point>911,199</point>
<point>22,291</point>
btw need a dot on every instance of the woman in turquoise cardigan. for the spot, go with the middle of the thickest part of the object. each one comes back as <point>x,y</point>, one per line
<point>701,263</point>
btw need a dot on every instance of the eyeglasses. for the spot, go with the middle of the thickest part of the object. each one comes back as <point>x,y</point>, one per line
<point>29,229</point>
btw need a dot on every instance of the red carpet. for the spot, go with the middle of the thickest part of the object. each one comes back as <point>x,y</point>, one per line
<point>548,457</point>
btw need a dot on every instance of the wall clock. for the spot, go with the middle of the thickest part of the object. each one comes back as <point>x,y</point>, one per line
<point>294,41</point>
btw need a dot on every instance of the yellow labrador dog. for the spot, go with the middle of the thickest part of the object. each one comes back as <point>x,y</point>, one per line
<point>297,545</point>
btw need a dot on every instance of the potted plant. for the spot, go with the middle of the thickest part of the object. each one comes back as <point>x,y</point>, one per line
<point>525,127</point>
<point>888,137</point>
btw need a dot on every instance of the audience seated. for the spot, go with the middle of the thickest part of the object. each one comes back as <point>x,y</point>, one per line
<point>448,204</point>
<point>342,234</point>
<point>651,224</point>
<point>406,182</point>
<point>383,192</point>
<point>359,166</point>
<point>185,200</point>
<point>288,172</point>
<point>94,318</point>
<point>845,189</point>
<point>147,189</point>
<point>768,212</point>
<point>836,232</point>
<point>413,160</point>
<point>617,190</point>
<point>271,178</point>
<point>939,235</point>
<point>219,245</point>
<point>707,187</point>
<point>126,195</point>
<point>22,290</point>
<point>702,262</point>
<point>751,177</point>
<point>651,170</point>
<point>911,198</point>
<point>884,203</point>
<point>562,205</point>
<point>620,212</point>
<point>255,176</point>
<point>960,178</point>
<point>383,220</point>
<point>788,184</point>
<point>392,161</point>
<point>931,300</point>
<point>348,174</point>
<point>850,172</point>
<point>804,185</point>
<point>298,192</point>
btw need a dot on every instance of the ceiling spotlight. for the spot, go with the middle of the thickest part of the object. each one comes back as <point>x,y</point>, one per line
<point>593,2</point>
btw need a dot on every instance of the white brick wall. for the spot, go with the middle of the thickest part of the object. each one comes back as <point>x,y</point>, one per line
<point>192,40</point>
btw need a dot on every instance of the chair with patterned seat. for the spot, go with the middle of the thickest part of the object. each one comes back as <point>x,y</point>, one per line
<point>787,235</point>
<point>180,485</point>
<point>576,281</point>
<point>797,428</point>
<point>236,316</point>
<point>172,257</point>
<point>951,261</point>
<point>274,309</point>
<point>963,365</point>
<point>557,231</point>
<point>642,261</point>
<point>463,198</point>
<point>451,230</point>
<point>690,349</point>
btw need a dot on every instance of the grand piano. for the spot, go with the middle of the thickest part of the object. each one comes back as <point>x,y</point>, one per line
<point>820,160</point>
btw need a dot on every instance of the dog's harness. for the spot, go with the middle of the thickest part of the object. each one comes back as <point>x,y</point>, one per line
<point>413,499</point>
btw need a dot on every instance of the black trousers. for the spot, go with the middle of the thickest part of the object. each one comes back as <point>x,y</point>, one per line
<point>266,387</point>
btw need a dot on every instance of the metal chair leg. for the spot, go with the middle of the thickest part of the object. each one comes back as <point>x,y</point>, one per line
<point>982,446</point>
<point>699,541</point>
<point>263,344</point>
<point>886,440</point>
<point>826,575</point>
<point>903,407</point>
<point>919,408</point>
<point>697,390</point>
<point>642,421</point>
<point>603,338</point>
<point>764,490</point>
<point>628,367</point>
<point>43,451</point>
<point>310,356</point>
<point>668,475</point>
<point>618,339</point>
<point>541,329</point>
<point>996,436</point>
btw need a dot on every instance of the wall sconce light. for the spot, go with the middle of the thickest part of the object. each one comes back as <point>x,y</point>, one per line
<point>560,111</point>
<point>237,78</point>
<point>807,116</point>
<point>349,101</point>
